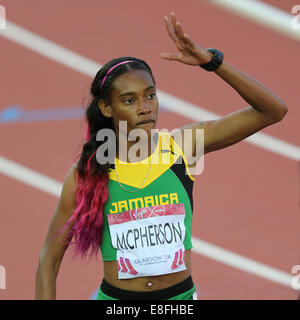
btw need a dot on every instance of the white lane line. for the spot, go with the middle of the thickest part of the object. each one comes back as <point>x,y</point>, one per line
<point>53,187</point>
<point>49,49</point>
<point>240,262</point>
<point>275,145</point>
<point>263,14</point>
<point>88,67</point>
<point>30,177</point>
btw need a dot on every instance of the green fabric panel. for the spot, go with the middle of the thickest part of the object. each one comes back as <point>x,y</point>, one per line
<point>116,193</point>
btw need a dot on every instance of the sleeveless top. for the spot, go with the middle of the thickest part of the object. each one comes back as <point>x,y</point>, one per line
<point>168,182</point>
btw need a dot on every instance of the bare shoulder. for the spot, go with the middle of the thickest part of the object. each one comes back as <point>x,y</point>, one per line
<point>71,176</point>
<point>69,187</point>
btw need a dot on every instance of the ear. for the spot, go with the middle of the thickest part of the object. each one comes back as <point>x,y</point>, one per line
<point>105,109</point>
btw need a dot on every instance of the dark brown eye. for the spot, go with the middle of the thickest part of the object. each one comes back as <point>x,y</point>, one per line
<point>151,95</point>
<point>129,101</point>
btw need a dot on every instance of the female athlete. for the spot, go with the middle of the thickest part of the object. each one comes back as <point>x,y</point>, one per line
<point>139,213</point>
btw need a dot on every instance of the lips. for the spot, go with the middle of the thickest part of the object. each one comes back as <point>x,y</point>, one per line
<point>146,121</point>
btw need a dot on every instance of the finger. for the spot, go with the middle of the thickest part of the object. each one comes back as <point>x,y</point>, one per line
<point>175,24</point>
<point>170,56</point>
<point>187,40</point>
<point>173,18</point>
<point>172,34</point>
<point>170,30</point>
<point>179,31</point>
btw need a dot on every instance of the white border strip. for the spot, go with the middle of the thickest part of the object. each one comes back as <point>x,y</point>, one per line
<point>88,67</point>
<point>263,14</point>
<point>54,187</point>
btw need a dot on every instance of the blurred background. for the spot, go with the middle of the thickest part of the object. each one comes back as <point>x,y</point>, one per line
<point>246,212</point>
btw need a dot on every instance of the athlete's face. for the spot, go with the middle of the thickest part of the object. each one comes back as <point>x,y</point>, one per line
<point>134,100</point>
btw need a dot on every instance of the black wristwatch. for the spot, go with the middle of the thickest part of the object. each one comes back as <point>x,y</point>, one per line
<point>215,62</point>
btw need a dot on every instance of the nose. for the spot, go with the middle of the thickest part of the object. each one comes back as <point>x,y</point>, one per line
<point>144,108</point>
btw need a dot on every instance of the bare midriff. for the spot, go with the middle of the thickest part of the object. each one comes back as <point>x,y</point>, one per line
<point>140,284</point>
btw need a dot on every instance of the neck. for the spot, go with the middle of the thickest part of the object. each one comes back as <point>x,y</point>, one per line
<point>135,151</point>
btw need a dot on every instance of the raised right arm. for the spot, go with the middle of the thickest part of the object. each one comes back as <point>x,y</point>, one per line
<point>54,246</point>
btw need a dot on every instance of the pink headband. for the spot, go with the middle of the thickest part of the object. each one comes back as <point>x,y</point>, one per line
<point>112,68</point>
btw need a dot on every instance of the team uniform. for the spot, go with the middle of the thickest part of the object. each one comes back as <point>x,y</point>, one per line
<point>147,229</point>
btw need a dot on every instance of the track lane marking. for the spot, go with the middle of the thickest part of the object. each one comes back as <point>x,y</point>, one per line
<point>263,14</point>
<point>30,177</point>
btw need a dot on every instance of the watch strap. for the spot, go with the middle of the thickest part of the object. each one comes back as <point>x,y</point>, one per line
<point>215,62</point>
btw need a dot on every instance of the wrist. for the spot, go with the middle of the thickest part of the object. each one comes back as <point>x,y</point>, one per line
<point>207,59</point>
<point>216,60</point>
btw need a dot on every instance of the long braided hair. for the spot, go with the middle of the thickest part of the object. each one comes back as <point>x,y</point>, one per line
<point>92,177</point>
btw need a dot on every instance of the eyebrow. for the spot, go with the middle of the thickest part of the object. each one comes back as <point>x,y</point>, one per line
<point>129,93</point>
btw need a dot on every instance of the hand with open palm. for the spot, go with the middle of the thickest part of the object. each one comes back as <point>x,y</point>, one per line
<point>190,53</point>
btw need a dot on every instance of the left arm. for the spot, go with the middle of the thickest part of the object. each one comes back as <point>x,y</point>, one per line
<point>255,94</point>
<point>265,107</point>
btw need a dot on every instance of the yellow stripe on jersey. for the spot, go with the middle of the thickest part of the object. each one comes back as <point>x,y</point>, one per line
<point>165,155</point>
